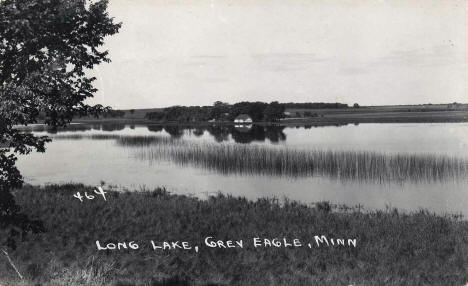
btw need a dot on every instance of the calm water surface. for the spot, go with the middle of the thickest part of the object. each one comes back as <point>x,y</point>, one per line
<point>118,155</point>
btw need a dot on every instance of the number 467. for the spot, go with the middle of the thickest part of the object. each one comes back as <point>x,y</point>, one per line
<point>99,192</point>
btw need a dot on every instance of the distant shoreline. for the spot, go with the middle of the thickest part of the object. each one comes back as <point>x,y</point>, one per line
<point>425,113</point>
<point>328,119</point>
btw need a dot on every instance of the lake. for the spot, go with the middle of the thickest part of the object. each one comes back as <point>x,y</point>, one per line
<point>405,165</point>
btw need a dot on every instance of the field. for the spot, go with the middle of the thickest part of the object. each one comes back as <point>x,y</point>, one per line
<point>393,248</point>
<point>383,114</point>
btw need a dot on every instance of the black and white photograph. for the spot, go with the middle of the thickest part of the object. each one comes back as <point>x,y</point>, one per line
<point>233,143</point>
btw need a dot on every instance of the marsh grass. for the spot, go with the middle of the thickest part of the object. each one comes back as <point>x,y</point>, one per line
<point>394,248</point>
<point>122,140</point>
<point>284,161</point>
<point>289,162</point>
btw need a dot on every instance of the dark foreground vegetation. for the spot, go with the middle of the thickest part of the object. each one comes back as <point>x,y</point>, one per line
<point>393,248</point>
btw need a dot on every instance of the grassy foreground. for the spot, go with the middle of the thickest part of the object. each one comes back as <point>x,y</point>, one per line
<point>392,248</point>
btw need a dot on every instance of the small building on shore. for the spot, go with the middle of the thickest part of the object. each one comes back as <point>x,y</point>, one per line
<point>243,118</point>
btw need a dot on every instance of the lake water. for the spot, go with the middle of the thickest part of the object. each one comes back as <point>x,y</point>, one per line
<point>123,155</point>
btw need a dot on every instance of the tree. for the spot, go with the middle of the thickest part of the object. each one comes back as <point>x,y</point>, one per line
<point>253,109</point>
<point>356,105</point>
<point>46,47</point>
<point>219,110</point>
<point>307,114</point>
<point>273,112</point>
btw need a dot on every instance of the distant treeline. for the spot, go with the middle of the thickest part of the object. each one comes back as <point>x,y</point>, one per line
<point>113,113</point>
<point>314,105</point>
<point>220,111</point>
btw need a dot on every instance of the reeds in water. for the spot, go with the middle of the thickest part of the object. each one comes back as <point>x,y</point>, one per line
<point>228,158</point>
<point>343,165</point>
<point>121,140</point>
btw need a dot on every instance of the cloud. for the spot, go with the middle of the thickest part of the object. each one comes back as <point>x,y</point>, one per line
<point>440,55</point>
<point>285,62</point>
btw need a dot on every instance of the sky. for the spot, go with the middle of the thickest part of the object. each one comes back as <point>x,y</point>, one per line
<point>366,51</point>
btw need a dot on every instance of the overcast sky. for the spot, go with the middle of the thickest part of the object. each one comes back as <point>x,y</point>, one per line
<point>371,52</point>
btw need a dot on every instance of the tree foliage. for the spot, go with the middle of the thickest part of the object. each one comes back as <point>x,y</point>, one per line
<point>315,105</point>
<point>220,111</point>
<point>273,112</point>
<point>46,47</point>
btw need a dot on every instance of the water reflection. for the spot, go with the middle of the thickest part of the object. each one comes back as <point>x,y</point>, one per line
<point>112,127</point>
<point>239,134</point>
<point>73,128</point>
<point>405,165</point>
<point>254,160</point>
